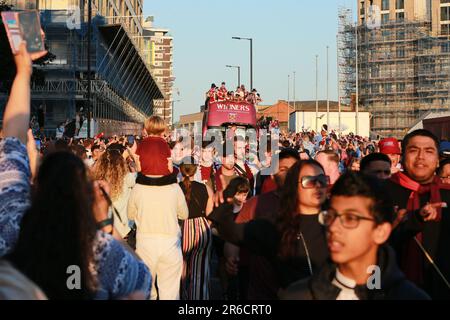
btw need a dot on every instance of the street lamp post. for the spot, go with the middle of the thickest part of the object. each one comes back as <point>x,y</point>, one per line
<point>173,107</point>
<point>251,58</point>
<point>328,97</point>
<point>357,85</point>
<point>317,95</point>
<point>239,73</point>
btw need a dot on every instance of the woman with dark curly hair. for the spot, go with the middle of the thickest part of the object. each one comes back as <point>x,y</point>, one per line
<point>296,243</point>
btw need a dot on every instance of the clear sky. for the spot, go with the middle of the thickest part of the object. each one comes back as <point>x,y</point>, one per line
<point>287,34</point>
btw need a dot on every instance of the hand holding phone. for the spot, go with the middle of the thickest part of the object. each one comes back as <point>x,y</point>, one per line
<point>24,26</point>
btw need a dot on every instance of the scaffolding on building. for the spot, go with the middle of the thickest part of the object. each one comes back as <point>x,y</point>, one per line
<point>404,71</point>
<point>123,85</point>
<point>346,56</point>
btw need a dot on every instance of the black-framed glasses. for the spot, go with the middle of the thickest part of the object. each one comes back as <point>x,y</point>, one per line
<point>347,220</point>
<point>309,182</point>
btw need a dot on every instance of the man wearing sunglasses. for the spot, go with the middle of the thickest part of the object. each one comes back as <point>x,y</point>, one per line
<point>362,267</point>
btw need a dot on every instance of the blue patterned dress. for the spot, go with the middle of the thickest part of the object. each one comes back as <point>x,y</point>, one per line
<point>118,272</point>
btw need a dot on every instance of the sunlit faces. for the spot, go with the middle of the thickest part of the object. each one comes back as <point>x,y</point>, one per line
<point>178,152</point>
<point>445,173</point>
<point>208,155</point>
<point>421,159</point>
<point>239,150</point>
<point>239,199</point>
<point>356,240</point>
<point>228,162</point>
<point>96,154</point>
<point>311,199</point>
<point>395,159</point>
<point>355,165</point>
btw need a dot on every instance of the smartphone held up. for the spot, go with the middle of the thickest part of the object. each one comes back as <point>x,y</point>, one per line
<point>24,26</point>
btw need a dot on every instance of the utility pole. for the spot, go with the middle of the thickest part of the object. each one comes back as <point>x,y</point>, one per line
<point>317,94</point>
<point>357,84</point>
<point>89,69</point>
<point>339,91</point>
<point>295,104</point>
<point>328,91</point>
<point>295,100</point>
<point>251,58</point>
<point>289,96</point>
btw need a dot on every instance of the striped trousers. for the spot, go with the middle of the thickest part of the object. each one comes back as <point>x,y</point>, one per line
<point>197,244</point>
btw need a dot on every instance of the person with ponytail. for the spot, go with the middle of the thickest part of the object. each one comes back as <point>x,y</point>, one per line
<point>196,235</point>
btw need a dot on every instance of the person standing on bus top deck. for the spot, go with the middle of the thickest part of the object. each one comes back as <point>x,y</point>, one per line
<point>244,91</point>
<point>211,95</point>
<point>222,92</point>
<point>238,95</point>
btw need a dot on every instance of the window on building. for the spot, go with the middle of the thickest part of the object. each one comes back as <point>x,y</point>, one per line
<point>375,72</point>
<point>401,87</point>
<point>385,5</point>
<point>384,18</point>
<point>400,16</point>
<point>387,88</point>
<point>400,52</point>
<point>445,29</point>
<point>445,13</point>
<point>400,4</point>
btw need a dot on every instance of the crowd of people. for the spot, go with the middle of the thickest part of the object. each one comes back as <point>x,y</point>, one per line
<point>221,94</point>
<point>143,217</point>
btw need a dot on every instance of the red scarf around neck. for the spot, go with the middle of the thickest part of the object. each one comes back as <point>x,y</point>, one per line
<point>412,258</point>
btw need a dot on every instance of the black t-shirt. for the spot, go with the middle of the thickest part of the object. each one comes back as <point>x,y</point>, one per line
<point>70,129</point>
<point>199,199</point>
<point>41,117</point>
<point>261,237</point>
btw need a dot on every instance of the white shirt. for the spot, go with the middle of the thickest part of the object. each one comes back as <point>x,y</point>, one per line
<point>346,285</point>
<point>156,209</point>
<point>121,204</point>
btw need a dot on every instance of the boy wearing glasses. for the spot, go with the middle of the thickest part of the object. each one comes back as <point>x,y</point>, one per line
<point>359,222</point>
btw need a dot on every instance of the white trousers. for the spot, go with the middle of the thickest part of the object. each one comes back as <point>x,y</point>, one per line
<point>164,258</point>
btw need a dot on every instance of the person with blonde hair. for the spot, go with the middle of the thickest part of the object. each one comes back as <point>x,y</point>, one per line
<point>154,151</point>
<point>156,204</point>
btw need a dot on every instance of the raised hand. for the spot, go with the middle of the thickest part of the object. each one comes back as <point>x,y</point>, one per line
<point>431,212</point>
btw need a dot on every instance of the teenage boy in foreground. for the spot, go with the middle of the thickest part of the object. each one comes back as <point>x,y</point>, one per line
<point>358,222</point>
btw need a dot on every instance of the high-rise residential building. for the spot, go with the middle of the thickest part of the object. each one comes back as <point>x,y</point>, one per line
<point>158,45</point>
<point>403,61</point>
<point>123,86</point>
